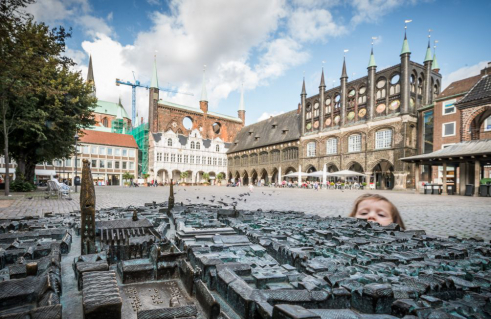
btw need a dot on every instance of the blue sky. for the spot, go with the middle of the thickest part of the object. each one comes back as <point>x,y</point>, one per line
<point>266,45</point>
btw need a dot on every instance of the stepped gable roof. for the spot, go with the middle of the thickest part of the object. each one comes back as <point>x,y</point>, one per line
<point>278,129</point>
<point>105,138</point>
<point>459,87</point>
<point>480,91</point>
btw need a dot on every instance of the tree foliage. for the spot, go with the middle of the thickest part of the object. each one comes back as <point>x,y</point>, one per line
<point>42,101</point>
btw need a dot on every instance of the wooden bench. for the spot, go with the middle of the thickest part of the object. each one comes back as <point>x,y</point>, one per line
<point>55,190</point>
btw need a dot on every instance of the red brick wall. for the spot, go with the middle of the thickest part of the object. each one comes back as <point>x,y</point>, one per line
<point>168,115</point>
<point>438,120</point>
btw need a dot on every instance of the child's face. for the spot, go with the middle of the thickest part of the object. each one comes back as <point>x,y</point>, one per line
<point>376,211</point>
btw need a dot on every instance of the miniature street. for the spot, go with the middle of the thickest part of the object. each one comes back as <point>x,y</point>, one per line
<point>438,215</point>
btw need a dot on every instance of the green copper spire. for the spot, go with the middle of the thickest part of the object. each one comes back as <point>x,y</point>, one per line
<point>428,53</point>
<point>435,65</point>
<point>155,81</point>
<point>405,46</point>
<point>372,60</point>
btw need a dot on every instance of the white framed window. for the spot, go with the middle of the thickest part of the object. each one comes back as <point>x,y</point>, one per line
<point>311,149</point>
<point>109,164</point>
<point>186,158</point>
<point>169,142</point>
<point>383,139</point>
<point>448,129</point>
<point>198,159</point>
<point>131,153</point>
<point>354,143</point>
<point>102,150</point>
<point>159,157</point>
<point>192,145</point>
<point>332,146</point>
<point>93,150</point>
<point>116,164</point>
<point>179,158</point>
<point>117,151</point>
<point>198,145</point>
<point>487,124</point>
<point>191,159</point>
<point>214,162</point>
<point>85,149</point>
<point>93,164</point>
<point>125,152</point>
<point>173,158</point>
<point>124,165</point>
<point>166,157</point>
<point>68,162</point>
<point>204,160</point>
<point>448,107</point>
<point>109,151</point>
<point>132,165</point>
<point>102,164</point>
<point>218,148</point>
<point>219,162</point>
<point>209,160</point>
<point>224,162</point>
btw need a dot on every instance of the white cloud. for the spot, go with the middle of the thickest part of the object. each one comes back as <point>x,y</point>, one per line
<point>462,73</point>
<point>312,25</point>
<point>94,25</point>
<point>153,2</point>
<point>267,115</point>
<point>372,10</point>
<point>110,16</point>
<point>53,11</point>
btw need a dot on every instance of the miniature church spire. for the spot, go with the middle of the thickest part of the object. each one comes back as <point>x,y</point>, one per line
<point>155,81</point>
<point>90,76</point>
<point>204,95</point>
<point>372,57</point>
<point>323,84</point>
<point>304,92</point>
<point>343,73</point>
<point>428,49</point>
<point>405,44</point>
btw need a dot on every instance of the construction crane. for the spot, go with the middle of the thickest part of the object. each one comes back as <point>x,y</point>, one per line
<point>136,84</point>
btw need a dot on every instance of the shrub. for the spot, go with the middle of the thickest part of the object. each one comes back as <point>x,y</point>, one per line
<point>21,186</point>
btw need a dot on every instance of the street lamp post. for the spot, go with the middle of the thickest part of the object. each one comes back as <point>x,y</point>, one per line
<point>76,151</point>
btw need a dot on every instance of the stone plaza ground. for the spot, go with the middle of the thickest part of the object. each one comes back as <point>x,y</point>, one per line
<point>439,215</point>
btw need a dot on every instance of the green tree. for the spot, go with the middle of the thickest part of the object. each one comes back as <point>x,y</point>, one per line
<point>206,177</point>
<point>184,175</point>
<point>220,176</point>
<point>42,103</point>
<point>127,176</point>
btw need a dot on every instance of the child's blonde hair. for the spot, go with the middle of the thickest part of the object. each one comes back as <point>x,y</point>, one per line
<point>396,217</point>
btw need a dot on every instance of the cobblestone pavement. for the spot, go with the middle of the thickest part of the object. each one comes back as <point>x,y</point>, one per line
<point>439,215</point>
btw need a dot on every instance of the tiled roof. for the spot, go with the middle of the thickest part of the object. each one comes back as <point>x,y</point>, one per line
<point>279,129</point>
<point>105,138</point>
<point>480,91</point>
<point>459,87</point>
<point>110,108</point>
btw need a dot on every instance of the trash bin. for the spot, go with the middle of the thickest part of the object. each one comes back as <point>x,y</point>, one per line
<point>450,189</point>
<point>469,190</point>
<point>436,190</point>
<point>483,190</point>
<point>427,189</point>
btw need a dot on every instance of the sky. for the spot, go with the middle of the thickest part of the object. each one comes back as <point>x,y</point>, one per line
<point>266,46</point>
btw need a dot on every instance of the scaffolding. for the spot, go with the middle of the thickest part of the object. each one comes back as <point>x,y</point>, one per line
<point>119,126</point>
<point>140,133</point>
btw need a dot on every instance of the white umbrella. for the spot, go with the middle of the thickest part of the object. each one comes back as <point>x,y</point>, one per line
<point>345,173</point>
<point>314,174</point>
<point>295,174</point>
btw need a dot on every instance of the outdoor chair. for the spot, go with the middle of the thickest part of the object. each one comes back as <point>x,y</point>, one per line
<point>55,190</point>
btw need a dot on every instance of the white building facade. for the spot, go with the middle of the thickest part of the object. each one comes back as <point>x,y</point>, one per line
<point>171,154</point>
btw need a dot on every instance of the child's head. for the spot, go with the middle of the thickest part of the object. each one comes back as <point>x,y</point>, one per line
<point>377,208</point>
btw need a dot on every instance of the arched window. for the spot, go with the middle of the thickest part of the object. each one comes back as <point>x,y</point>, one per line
<point>311,149</point>
<point>169,142</point>
<point>192,145</point>
<point>198,146</point>
<point>104,122</point>
<point>332,146</point>
<point>383,139</point>
<point>218,148</point>
<point>354,143</point>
